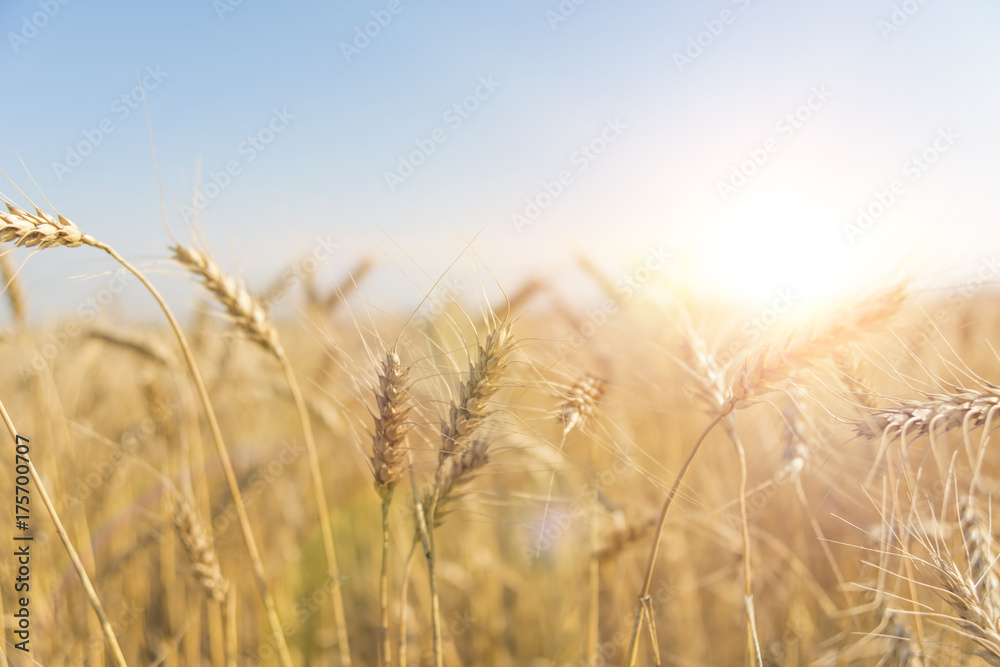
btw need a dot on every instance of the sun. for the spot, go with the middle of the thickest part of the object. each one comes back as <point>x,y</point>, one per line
<point>759,248</point>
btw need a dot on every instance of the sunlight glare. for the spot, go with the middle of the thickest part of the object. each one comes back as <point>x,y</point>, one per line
<point>759,248</point>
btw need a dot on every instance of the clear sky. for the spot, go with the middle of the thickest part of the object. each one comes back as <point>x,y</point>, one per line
<point>741,137</point>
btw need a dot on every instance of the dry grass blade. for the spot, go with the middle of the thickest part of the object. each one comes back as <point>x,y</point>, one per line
<point>146,346</point>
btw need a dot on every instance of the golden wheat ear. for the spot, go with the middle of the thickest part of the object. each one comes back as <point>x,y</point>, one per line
<point>392,425</point>
<point>473,407</point>
<point>245,310</point>
<point>581,402</point>
<point>772,363</point>
<point>40,229</point>
<point>199,549</point>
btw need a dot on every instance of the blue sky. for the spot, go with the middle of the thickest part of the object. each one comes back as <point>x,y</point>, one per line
<point>830,102</point>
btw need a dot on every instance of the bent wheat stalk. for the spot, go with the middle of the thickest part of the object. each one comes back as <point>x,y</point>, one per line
<point>41,230</point>
<point>88,587</point>
<point>760,373</point>
<point>710,388</point>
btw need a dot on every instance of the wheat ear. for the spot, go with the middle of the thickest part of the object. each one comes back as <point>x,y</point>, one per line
<point>581,402</point>
<point>979,623</point>
<point>461,455</point>
<point>968,408</point>
<point>388,460</point>
<point>254,321</point>
<point>774,362</point>
<point>761,372</point>
<point>41,230</point>
<point>979,550</point>
<point>199,550</point>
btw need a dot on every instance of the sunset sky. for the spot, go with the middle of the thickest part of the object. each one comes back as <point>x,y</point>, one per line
<point>746,139</point>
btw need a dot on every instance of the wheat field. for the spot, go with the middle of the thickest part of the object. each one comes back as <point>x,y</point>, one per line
<point>508,478</point>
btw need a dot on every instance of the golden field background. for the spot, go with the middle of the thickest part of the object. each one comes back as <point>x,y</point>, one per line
<point>849,533</point>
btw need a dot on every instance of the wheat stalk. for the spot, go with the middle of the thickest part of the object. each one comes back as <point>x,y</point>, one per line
<point>14,289</point>
<point>252,319</point>
<point>41,230</point>
<point>620,539</point>
<point>979,550</point>
<point>388,461</point>
<point>461,455</point>
<point>710,388</point>
<point>978,622</point>
<point>88,587</point>
<point>388,458</point>
<point>472,407</point>
<point>760,373</point>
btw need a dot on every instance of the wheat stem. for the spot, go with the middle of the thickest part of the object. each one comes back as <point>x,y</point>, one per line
<point>88,587</point>
<point>227,466</point>
<point>661,522</point>
<point>385,647</point>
